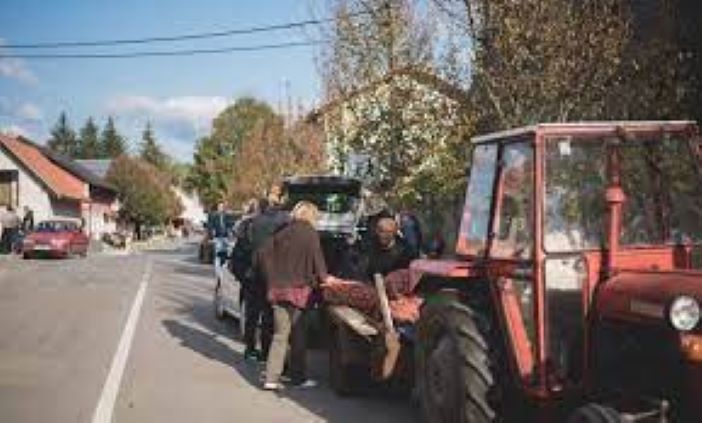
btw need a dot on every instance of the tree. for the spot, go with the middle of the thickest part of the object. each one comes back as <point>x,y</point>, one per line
<point>586,60</point>
<point>144,192</point>
<point>272,151</point>
<point>150,150</point>
<point>113,144</point>
<point>214,158</point>
<point>89,143</point>
<point>63,138</point>
<point>385,74</point>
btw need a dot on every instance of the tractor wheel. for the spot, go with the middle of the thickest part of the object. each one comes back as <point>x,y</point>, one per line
<point>594,413</point>
<point>346,379</point>
<point>454,364</point>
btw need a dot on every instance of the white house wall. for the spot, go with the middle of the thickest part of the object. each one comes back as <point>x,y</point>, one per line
<point>31,192</point>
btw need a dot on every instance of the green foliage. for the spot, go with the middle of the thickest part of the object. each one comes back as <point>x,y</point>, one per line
<point>144,192</point>
<point>113,144</point>
<point>213,167</point>
<point>151,152</point>
<point>89,146</point>
<point>63,138</point>
<point>392,98</point>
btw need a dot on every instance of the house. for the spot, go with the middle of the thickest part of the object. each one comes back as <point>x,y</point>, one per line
<point>100,212</point>
<point>53,186</point>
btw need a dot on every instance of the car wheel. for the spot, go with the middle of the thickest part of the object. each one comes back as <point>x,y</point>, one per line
<point>218,303</point>
<point>26,256</point>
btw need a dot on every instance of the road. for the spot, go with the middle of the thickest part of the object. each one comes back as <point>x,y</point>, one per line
<point>63,321</point>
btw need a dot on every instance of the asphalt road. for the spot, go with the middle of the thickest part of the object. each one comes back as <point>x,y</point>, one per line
<point>62,323</point>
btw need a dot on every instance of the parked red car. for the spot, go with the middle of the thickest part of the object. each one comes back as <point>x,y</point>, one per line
<point>55,238</point>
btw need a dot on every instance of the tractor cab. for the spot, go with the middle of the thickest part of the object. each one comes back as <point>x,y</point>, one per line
<point>581,244</point>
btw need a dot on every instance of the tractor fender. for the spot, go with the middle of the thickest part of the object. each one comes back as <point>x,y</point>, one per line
<point>447,270</point>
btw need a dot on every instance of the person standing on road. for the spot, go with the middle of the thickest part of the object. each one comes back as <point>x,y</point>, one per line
<point>270,219</point>
<point>11,225</point>
<point>218,230</point>
<point>28,220</point>
<point>411,232</point>
<point>292,263</point>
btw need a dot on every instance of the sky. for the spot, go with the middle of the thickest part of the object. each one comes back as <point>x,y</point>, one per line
<point>179,95</point>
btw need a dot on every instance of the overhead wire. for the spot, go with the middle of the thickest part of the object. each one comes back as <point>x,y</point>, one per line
<point>184,37</point>
<point>186,52</point>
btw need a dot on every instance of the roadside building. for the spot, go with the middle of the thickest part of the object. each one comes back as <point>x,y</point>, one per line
<point>53,186</point>
<point>100,211</point>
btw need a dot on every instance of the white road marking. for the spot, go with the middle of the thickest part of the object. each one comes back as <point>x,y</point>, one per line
<point>106,404</point>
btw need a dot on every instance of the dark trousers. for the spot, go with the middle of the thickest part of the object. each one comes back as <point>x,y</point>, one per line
<point>289,329</point>
<point>7,240</point>
<point>258,309</point>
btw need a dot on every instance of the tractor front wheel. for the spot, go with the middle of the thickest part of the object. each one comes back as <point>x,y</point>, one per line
<point>594,413</point>
<point>454,364</point>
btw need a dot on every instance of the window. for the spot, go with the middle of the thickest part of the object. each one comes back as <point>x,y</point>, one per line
<point>576,177</point>
<point>6,197</point>
<point>476,212</point>
<point>515,207</point>
<point>663,185</point>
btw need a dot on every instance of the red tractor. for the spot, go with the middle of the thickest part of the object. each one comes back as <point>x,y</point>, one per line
<point>576,287</point>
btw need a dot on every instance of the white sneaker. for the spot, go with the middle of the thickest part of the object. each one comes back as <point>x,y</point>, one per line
<point>309,383</point>
<point>272,386</point>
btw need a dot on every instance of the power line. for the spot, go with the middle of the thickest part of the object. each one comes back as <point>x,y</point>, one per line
<point>194,36</point>
<point>189,52</point>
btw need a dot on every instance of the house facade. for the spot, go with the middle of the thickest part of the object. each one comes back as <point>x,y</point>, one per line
<point>53,187</point>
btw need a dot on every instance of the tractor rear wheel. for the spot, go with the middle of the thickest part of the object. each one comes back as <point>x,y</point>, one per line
<point>347,379</point>
<point>455,365</point>
<point>594,413</point>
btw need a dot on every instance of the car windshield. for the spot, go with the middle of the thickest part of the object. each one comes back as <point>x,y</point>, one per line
<point>327,202</point>
<point>660,178</point>
<point>54,226</point>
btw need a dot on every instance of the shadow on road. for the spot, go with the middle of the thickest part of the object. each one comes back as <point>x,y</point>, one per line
<point>209,346</point>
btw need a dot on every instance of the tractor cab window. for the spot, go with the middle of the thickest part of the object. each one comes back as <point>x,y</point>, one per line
<point>662,180</point>
<point>515,206</point>
<point>576,178</point>
<point>476,212</point>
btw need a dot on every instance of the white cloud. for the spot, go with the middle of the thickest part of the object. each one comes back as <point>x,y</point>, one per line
<point>14,129</point>
<point>177,121</point>
<point>196,111</point>
<point>14,108</point>
<point>29,111</point>
<point>14,68</point>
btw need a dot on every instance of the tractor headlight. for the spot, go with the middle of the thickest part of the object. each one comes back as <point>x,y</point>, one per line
<point>684,313</point>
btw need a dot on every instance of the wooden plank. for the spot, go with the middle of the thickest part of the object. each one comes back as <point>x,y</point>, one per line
<point>354,319</point>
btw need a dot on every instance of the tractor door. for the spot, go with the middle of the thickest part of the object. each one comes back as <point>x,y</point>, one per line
<point>511,253</point>
<point>574,215</point>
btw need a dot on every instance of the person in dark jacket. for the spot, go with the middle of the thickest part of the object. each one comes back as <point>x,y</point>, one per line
<point>388,251</point>
<point>411,232</point>
<point>28,220</point>
<point>293,264</point>
<point>271,218</point>
<point>218,228</point>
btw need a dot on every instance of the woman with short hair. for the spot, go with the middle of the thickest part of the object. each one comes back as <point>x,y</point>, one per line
<point>293,264</point>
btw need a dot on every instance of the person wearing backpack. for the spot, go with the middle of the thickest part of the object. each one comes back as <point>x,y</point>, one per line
<point>270,218</point>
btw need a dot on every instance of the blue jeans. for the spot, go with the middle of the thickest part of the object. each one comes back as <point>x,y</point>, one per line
<point>220,254</point>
